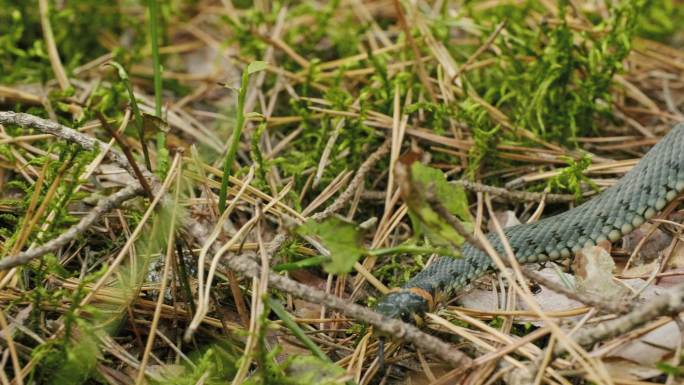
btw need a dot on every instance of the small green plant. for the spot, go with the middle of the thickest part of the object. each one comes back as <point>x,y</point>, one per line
<point>671,370</point>
<point>237,130</point>
<point>211,365</point>
<point>571,177</point>
<point>123,75</point>
<point>162,151</point>
<point>342,239</point>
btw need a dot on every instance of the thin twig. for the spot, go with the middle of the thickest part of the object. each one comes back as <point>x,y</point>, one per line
<point>669,303</point>
<point>126,148</point>
<point>69,134</point>
<point>103,206</point>
<point>519,196</point>
<point>393,327</point>
<point>454,222</point>
<point>496,192</point>
<point>604,306</point>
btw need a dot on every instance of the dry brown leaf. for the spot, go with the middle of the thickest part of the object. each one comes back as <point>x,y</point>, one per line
<point>629,370</point>
<point>549,300</point>
<point>594,267</point>
<point>305,309</point>
<point>651,348</point>
<point>676,260</point>
<point>652,247</point>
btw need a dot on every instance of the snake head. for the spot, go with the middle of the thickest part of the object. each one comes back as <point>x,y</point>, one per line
<point>404,305</point>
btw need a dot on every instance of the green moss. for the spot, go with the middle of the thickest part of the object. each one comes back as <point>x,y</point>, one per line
<point>555,81</point>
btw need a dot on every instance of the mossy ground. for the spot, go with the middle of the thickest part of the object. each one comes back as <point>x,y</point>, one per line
<point>522,94</point>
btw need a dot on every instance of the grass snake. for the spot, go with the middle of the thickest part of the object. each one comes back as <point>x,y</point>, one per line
<point>641,194</point>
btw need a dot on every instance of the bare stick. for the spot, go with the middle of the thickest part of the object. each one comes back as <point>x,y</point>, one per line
<point>497,192</point>
<point>103,206</point>
<point>521,196</point>
<point>395,328</point>
<point>669,303</point>
<point>71,135</point>
<point>452,220</point>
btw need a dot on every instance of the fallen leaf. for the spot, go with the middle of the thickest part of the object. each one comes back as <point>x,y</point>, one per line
<point>505,218</point>
<point>594,267</point>
<point>628,370</point>
<point>652,347</point>
<point>653,246</point>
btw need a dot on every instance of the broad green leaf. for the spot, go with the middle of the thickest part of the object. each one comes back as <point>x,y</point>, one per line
<point>256,66</point>
<point>341,238</point>
<point>453,197</point>
<point>416,186</point>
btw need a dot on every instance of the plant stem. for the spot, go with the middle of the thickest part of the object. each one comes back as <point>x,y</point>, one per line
<point>154,39</point>
<point>234,141</point>
<point>162,152</point>
<point>136,111</point>
<point>304,263</point>
<point>403,249</point>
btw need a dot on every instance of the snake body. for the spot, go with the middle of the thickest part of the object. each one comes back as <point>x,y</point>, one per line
<point>641,194</point>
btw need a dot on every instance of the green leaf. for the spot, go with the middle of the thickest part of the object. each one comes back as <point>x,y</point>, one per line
<point>256,66</point>
<point>415,186</point>
<point>154,124</point>
<point>452,196</point>
<point>122,72</point>
<point>341,238</point>
<point>254,116</point>
<point>304,370</point>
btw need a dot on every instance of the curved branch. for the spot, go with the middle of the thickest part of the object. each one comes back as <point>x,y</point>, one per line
<point>103,205</point>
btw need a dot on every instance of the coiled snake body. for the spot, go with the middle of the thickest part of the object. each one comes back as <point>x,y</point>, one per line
<point>642,193</point>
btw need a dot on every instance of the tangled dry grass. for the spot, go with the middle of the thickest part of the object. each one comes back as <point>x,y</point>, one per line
<point>121,263</point>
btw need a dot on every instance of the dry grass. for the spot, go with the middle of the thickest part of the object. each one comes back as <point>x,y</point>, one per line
<point>158,285</point>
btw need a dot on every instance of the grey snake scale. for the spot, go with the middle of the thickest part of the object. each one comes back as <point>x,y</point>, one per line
<point>638,196</point>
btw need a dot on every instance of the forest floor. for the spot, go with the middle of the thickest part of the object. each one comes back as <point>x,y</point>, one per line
<point>215,192</point>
